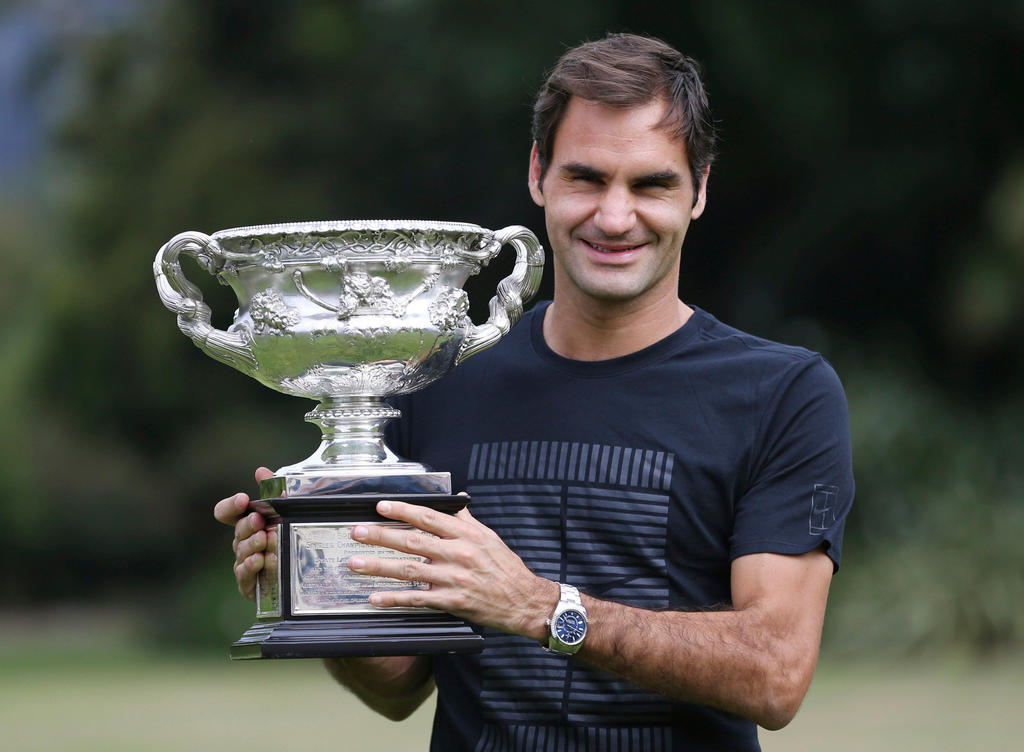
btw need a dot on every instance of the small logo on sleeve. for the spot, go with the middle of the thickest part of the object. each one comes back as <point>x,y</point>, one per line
<point>823,501</point>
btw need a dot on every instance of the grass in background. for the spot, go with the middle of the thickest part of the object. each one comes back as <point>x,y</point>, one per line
<point>114,699</point>
<point>948,705</point>
<point>137,702</point>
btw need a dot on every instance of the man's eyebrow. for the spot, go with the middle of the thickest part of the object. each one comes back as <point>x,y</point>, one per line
<point>581,170</point>
<point>666,178</point>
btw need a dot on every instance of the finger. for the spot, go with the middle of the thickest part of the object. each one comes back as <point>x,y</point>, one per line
<point>407,570</point>
<point>263,473</point>
<point>248,525</point>
<point>406,540</point>
<point>254,544</point>
<point>424,518</point>
<point>246,572</point>
<point>404,598</point>
<point>230,509</point>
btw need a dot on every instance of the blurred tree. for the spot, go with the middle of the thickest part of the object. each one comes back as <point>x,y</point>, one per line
<point>863,145</point>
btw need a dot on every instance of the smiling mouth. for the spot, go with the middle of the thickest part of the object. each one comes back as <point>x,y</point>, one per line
<point>613,249</point>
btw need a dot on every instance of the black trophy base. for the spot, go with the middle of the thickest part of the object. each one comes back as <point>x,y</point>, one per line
<point>345,637</point>
<point>285,634</point>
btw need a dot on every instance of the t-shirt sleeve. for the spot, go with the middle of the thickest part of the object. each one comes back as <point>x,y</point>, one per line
<point>800,487</point>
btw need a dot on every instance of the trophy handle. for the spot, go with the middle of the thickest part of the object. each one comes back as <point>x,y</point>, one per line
<point>506,307</point>
<point>185,299</point>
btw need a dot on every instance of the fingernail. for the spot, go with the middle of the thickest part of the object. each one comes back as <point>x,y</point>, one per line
<point>360,531</point>
<point>375,599</point>
<point>356,562</point>
<point>384,507</point>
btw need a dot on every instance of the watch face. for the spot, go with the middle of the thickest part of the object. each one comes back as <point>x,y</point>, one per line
<point>570,627</point>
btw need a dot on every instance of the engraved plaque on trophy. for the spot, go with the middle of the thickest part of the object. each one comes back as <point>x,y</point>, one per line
<point>347,314</point>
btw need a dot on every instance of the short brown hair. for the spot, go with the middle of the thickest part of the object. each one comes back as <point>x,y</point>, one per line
<point>626,70</point>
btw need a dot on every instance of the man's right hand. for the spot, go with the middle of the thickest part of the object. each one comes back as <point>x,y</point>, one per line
<point>394,686</point>
<point>250,540</point>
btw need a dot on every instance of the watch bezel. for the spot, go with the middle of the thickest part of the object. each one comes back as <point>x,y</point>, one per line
<point>581,615</point>
<point>569,604</point>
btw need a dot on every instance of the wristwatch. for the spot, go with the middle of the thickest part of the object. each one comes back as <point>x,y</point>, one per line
<point>568,623</point>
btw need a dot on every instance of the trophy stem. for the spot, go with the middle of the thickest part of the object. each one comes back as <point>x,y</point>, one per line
<point>352,457</point>
<point>353,430</point>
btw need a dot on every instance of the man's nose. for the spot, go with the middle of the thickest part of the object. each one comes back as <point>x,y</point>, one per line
<point>616,212</point>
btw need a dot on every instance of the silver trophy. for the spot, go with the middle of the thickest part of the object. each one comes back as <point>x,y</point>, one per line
<point>348,314</point>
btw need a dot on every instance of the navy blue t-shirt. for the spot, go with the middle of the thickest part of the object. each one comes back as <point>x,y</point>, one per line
<point>638,480</point>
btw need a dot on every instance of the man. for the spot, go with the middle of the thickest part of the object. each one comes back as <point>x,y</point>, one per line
<point>672,487</point>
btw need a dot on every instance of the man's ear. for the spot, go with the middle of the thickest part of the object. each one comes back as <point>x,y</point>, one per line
<point>535,180</point>
<point>701,199</point>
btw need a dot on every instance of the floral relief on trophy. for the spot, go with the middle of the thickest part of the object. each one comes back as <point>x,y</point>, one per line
<point>371,378</point>
<point>267,255</point>
<point>368,378</point>
<point>360,293</point>
<point>363,292</point>
<point>314,381</point>
<point>449,309</point>
<point>271,315</point>
<point>401,253</point>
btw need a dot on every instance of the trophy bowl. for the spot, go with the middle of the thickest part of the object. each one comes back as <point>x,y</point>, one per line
<point>347,313</point>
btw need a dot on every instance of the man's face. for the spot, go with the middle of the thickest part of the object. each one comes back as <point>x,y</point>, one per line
<point>617,198</point>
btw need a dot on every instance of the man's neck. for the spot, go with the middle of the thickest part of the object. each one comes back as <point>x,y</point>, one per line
<point>603,332</point>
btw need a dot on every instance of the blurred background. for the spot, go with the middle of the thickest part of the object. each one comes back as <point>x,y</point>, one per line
<point>868,203</point>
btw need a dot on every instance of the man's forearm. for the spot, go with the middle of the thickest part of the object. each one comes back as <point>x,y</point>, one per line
<point>736,661</point>
<point>394,686</point>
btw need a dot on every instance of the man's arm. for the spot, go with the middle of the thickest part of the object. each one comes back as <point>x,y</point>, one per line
<point>755,660</point>
<point>392,686</point>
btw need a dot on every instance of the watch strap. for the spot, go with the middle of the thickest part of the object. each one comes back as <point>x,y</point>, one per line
<point>569,594</point>
<point>569,600</point>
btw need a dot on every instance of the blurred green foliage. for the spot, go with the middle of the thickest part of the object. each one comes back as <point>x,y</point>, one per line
<point>933,557</point>
<point>868,203</point>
